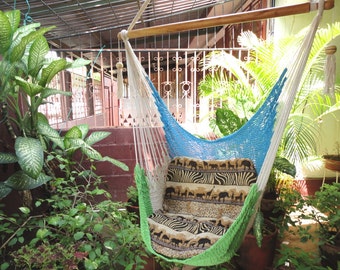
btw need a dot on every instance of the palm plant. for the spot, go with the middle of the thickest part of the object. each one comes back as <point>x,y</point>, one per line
<point>267,60</point>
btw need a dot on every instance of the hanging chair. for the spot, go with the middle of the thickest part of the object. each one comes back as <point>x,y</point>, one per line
<point>198,198</point>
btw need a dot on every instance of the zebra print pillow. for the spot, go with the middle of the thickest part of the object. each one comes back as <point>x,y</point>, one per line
<point>208,188</point>
<point>202,199</point>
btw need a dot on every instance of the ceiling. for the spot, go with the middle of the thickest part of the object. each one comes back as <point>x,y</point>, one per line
<point>95,23</point>
<point>88,26</point>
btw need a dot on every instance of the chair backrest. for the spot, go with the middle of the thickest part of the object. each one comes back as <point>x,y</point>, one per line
<point>211,189</point>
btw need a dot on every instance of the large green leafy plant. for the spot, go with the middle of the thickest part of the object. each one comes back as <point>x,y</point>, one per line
<point>25,74</point>
<point>75,224</point>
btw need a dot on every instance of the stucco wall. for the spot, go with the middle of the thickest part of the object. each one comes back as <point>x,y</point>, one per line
<point>328,126</point>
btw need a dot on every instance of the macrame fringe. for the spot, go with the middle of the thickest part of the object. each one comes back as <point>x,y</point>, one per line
<point>330,70</point>
<point>120,85</point>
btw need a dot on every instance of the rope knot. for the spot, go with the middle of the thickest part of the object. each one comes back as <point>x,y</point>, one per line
<point>124,35</point>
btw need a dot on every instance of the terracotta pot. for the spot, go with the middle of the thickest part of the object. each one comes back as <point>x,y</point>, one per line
<point>332,162</point>
<point>251,256</point>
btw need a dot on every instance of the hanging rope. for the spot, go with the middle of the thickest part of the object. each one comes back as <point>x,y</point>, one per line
<point>28,19</point>
<point>139,14</point>
<point>94,61</point>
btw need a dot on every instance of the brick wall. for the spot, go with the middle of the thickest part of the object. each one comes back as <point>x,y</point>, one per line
<point>119,145</point>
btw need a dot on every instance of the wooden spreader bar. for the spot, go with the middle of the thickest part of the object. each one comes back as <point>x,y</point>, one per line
<point>234,18</point>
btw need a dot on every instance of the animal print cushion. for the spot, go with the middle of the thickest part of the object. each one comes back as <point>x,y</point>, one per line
<point>202,199</point>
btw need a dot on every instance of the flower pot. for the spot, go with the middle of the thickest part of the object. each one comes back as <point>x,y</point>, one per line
<point>251,256</point>
<point>332,162</point>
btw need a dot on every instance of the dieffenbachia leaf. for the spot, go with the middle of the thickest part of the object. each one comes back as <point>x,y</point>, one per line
<point>21,181</point>
<point>7,158</point>
<point>30,155</point>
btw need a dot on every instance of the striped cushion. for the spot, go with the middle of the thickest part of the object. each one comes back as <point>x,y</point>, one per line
<point>202,199</point>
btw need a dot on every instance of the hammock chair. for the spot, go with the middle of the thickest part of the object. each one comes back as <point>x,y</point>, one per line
<point>252,148</point>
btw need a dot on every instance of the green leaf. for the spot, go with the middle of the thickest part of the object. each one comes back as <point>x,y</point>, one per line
<point>51,92</point>
<point>4,266</point>
<point>21,181</point>
<point>19,48</point>
<point>80,62</point>
<point>257,228</point>
<point>7,158</point>
<point>4,190</point>
<point>5,33</point>
<point>42,233</point>
<point>283,165</point>
<point>54,220</point>
<point>46,130</point>
<point>96,137</point>
<point>14,19</point>
<point>89,264</point>
<point>227,121</point>
<point>84,128</point>
<point>24,210</point>
<point>115,162</point>
<point>89,236</point>
<point>37,53</point>
<point>98,227</point>
<point>73,139</point>
<point>30,155</point>
<point>78,235</point>
<point>91,152</point>
<point>74,133</point>
<point>51,70</point>
<point>29,88</point>
<point>13,241</point>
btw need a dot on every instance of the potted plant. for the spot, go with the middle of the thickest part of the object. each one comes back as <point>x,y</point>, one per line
<point>332,161</point>
<point>323,209</point>
<point>281,177</point>
<point>257,250</point>
<point>25,74</point>
<point>326,213</point>
<point>132,201</point>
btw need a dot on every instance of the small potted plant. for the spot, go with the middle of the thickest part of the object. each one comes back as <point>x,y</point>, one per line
<point>325,211</point>
<point>281,176</point>
<point>257,250</point>
<point>132,199</point>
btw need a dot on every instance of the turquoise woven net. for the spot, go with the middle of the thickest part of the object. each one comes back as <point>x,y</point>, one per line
<point>251,141</point>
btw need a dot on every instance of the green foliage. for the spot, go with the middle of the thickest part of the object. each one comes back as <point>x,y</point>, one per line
<point>298,258</point>
<point>288,202</point>
<point>75,224</point>
<point>24,77</point>
<point>227,121</point>
<point>132,195</point>
<point>228,83</point>
<point>258,227</point>
<point>325,211</point>
<point>76,230</point>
